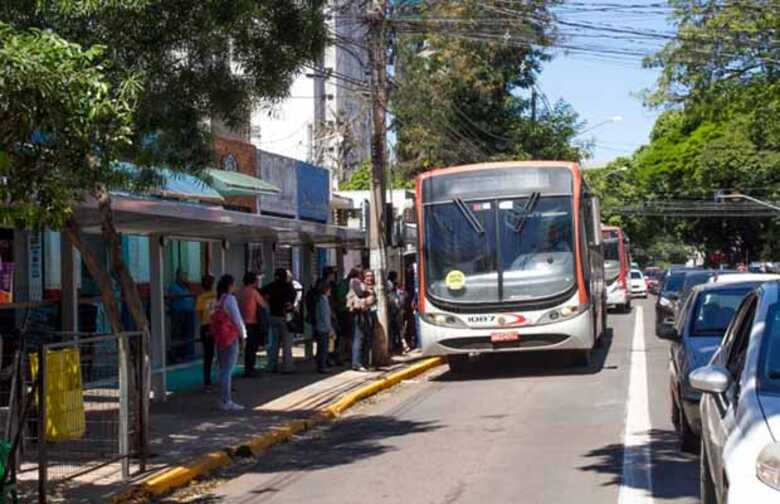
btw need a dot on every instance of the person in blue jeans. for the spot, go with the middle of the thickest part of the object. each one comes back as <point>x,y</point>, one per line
<point>323,324</point>
<point>281,299</point>
<point>228,356</point>
<point>361,300</point>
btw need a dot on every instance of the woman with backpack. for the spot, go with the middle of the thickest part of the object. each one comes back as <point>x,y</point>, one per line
<point>228,331</point>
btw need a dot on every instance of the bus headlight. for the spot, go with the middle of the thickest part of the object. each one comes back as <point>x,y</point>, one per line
<point>444,320</point>
<point>768,465</point>
<point>563,313</point>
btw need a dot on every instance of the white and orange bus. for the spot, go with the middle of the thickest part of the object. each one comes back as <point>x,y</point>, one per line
<point>617,267</point>
<point>509,260</point>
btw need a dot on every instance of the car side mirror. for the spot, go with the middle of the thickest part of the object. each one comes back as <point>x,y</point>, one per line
<point>668,332</point>
<point>711,379</point>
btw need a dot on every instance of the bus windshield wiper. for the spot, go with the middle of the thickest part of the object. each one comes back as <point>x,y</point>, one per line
<point>529,207</point>
<point>469,215</point>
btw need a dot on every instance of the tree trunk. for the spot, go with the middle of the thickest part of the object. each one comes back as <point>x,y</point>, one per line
<point>132,297</point>
<point>72,230</point>
<point>129,288</point>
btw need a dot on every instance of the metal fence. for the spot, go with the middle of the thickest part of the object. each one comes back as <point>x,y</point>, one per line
<point>79,404</point>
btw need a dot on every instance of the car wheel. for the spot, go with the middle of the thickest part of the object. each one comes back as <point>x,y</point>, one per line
<point>706,484</point>
<point>689,441</point>
<point>458,363</point>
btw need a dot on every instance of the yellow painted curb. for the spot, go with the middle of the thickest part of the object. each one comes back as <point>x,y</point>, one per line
<point>177,477</point>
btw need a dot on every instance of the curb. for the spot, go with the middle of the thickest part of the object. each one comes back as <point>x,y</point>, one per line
<point>180,476</point>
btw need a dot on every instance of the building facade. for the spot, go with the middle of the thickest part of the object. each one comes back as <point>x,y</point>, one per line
<point>326,120</point>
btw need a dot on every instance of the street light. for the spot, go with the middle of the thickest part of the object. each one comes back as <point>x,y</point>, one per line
<point>721,196</point>
<point>613,119</point>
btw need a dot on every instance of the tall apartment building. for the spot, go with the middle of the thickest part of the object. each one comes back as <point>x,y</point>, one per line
<point>326,120</point>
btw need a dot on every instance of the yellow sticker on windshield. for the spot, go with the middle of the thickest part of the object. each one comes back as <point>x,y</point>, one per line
<point>455,280</point>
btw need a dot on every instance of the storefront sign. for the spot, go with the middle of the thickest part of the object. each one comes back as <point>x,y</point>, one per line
<point>313,192</point>
<point>281,172</point>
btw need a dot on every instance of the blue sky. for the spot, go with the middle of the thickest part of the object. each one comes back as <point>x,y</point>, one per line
<point>599,86</point>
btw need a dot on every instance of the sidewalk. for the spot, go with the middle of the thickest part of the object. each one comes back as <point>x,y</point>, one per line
<point>189,424</point>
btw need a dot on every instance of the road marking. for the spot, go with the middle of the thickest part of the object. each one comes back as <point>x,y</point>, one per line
<point>636,486</point>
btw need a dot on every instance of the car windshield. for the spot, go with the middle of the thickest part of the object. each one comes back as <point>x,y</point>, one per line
<point>674,282</point>
<point>635,275</point>
<point>505,249</point>
<point>714,310</point>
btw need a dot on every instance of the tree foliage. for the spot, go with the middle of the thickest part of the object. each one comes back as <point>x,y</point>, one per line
<point>720,130</point>
<point>153,74</point>
<point>463,95</point>
<point>61,123</point>
<point>194,60</point>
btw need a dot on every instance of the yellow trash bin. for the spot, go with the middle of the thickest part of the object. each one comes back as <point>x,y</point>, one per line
<point>65,417</point>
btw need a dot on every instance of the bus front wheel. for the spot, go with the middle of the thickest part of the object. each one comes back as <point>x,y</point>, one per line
<point>458,363</point>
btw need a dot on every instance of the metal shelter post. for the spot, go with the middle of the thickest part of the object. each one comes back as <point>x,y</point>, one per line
<point>70,294</point>
<point>157,323</point>
<point>218,259</point>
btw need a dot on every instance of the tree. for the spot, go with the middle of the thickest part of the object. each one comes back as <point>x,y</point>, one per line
<point>718,44</point>
<point>466,86</point>
<point>185,62</point>
<point>61,123</point>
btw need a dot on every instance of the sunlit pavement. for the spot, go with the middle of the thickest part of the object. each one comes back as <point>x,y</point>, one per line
<point>532,429</point>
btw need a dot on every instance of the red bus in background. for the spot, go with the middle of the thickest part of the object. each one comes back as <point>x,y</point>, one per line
<point>617,266</point>
<point>509,260</point>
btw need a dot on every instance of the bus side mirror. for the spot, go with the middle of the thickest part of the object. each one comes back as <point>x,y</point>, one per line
<point>595,214</point>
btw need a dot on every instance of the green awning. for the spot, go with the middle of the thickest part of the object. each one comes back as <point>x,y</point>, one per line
<point>174,185</point>
<point>238,184</point>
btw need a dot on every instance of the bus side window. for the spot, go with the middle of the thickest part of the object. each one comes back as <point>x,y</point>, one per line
<point>586,231</point>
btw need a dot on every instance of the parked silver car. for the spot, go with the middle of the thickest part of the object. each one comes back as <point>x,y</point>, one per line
<point>740,407</point>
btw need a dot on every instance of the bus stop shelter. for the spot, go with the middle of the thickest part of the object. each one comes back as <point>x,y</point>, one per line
<point>161,220</point>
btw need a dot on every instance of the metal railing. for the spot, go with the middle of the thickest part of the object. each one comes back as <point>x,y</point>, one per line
<point>81,407</point>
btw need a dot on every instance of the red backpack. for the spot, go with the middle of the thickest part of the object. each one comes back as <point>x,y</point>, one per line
<point>221,326</point>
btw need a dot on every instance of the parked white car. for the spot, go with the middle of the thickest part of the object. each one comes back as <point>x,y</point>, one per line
<point>740,406</point>
<point>637,283</point>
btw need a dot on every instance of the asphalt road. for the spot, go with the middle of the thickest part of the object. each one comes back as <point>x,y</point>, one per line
<point>528,429</point>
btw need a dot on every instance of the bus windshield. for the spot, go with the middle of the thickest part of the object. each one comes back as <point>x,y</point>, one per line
<point>611,260</point>
<point>522,249</point>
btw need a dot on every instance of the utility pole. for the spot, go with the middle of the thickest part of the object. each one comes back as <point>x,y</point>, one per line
<point>377,58</point>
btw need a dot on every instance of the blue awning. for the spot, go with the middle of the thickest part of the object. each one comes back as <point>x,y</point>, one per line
<point>177,185</point>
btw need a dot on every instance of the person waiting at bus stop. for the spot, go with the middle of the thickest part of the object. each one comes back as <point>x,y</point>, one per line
<point>204,306</point>
<point>362,302</point>
<point>229,331</point>
<point>281,300</point>
<point>323,323</point>
<point>251,304</point>
<point>182,310</point>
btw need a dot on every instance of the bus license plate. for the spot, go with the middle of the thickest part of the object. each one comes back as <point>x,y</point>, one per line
<point>503,337</point>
